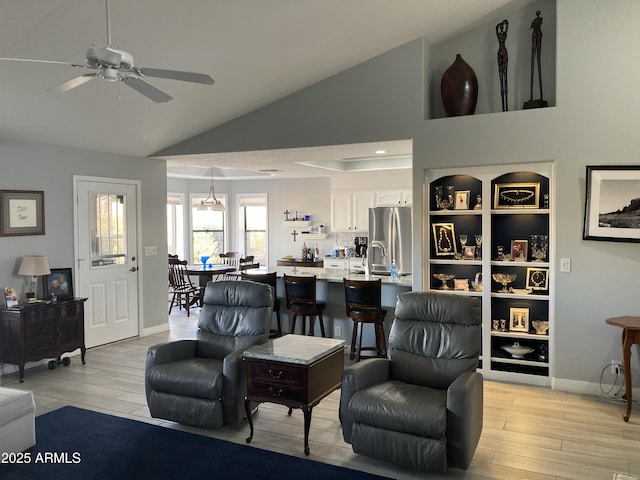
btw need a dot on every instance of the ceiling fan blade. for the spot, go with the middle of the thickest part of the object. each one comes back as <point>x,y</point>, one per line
<point>29,60</point>
<point>74,82</point>
<point>175,75</point>
<point>146,89</point>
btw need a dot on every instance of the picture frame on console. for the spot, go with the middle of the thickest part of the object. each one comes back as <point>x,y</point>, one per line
<point>59,283</point>
<point>612,203</point>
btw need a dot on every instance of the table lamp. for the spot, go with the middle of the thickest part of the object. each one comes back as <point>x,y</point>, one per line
<point>33,266</point>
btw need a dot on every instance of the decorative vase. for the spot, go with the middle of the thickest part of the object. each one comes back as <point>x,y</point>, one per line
<point>459,89</point>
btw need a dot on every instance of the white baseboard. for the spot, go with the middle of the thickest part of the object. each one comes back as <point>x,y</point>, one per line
<point>155,330</point>
<point>583,388</point>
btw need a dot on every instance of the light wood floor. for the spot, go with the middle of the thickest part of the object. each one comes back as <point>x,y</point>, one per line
<point>530,433</point>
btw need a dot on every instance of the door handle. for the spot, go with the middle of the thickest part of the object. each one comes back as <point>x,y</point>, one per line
<point>133,269</point>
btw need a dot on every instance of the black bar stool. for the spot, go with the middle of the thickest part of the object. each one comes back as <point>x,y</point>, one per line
<point>300,294</point>
<point>363,305</point>
<point>269,279</point>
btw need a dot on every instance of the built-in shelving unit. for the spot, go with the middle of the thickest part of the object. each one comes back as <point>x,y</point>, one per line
<point>486,222</point>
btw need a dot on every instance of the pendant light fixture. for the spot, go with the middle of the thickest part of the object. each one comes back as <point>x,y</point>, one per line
<point>211,202</point>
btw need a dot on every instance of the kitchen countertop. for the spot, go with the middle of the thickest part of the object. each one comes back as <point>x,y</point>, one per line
<point>333,275</point>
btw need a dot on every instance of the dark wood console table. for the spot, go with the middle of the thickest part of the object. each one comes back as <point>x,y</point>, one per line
<point>295,370</point>
<point>31,332</point>
<point>630,335</point>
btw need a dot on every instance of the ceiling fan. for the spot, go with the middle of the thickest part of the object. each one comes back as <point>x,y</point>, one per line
<point>117,65</point>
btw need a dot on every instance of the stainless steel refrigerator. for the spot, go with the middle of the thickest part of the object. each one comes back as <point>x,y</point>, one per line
<point>389,239</point>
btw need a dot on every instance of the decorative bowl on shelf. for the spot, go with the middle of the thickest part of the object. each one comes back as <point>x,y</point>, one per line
<point>541,326</point>
<point>505,279</point>
<point>516,350</point>
<point>444,278</point>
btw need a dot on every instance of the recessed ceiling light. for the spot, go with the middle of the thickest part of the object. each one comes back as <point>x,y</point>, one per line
<point>380,152</point>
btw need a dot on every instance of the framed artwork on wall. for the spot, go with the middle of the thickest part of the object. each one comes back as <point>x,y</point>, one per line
<point>612,203</point>
<point>21,212</point>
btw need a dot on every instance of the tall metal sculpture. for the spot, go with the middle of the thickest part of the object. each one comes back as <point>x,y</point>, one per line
<point>536,47</point>
<point>503,61</point>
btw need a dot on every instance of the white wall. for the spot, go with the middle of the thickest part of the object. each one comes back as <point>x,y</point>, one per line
<point>32,166</point>
<point>595,121</point>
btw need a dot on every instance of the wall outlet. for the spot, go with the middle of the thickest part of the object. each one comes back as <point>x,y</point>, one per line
<point>337,331</point>
<point>616,367</point>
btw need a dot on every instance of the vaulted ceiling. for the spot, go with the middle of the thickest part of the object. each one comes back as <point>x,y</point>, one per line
<point>257,50</point>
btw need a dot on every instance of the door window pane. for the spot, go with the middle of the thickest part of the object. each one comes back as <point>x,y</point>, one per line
<point>108,229</point>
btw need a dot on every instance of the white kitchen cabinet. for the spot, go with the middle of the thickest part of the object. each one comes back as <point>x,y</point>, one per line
<point>393,198</point>
<point>350,211</point>
<point>340,263</point>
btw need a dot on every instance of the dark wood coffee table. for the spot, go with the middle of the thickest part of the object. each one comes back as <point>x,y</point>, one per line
<point>295,370</point>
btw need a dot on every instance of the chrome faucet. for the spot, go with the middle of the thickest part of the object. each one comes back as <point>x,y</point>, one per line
<point>349,257</point>
<point>373,244</point>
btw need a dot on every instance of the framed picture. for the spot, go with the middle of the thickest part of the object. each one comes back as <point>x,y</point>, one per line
<point>612,204</point>
<point>21,212</point>
<point>59,283</point>
<point>444,239</point>
<point>516,195</point>
<point>519,250</point>
<point>461,284</point>
<point>518,319</point>
<point>10,297</point>
<point>538,278</point>
<point>469,252</point>
<point>462,200</point>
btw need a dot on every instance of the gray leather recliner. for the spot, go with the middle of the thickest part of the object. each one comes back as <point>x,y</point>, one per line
<point>420,408</point>
<point>202,382</point>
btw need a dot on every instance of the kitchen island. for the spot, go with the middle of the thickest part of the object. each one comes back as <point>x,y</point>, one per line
<point>330,289</point>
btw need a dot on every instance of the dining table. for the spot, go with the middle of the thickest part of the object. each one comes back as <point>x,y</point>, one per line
<point>207,272</point>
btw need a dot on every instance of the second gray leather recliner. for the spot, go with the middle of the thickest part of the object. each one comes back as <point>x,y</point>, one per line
<point>202,382</point>
<point>420,408</point>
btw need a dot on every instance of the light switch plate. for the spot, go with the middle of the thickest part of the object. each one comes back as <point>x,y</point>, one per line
<point>565,264</point>
<point>150,251</point>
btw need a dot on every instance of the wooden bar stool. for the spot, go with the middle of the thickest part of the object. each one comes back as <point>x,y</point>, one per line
<point>270,279</point>
<point>300,294</point>
<point>363,305</point>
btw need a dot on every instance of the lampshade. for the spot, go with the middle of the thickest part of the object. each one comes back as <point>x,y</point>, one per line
<point>33,265</point>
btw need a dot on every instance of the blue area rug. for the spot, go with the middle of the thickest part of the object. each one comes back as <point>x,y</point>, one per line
<point>93,445</point>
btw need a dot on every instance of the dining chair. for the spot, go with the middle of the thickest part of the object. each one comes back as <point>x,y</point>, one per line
<point>183,292</point>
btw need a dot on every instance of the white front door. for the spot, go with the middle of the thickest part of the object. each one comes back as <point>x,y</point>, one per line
<point>107,259</point>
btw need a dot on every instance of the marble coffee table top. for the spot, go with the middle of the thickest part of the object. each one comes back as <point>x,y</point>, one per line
<point>299,349</point>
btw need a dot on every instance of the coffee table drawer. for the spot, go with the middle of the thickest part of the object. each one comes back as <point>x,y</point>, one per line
<point>277,392</point>
<point>271,372</point>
